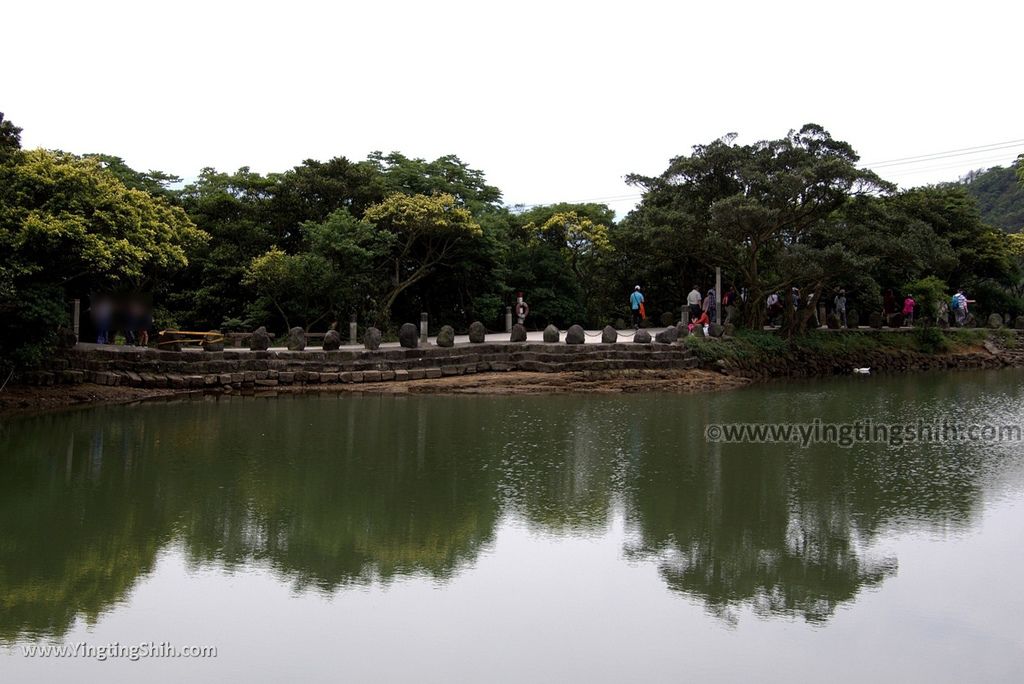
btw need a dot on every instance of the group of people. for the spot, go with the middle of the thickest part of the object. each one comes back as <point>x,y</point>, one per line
<point>131,316</point>
<point>701,308</point>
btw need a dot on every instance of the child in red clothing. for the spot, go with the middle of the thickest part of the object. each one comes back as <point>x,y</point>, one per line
<point>701,321</point>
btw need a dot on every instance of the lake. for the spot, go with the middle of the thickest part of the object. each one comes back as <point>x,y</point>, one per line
<point>548,538</point>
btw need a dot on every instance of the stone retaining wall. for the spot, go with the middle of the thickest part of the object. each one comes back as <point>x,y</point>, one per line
<point>194,369</point>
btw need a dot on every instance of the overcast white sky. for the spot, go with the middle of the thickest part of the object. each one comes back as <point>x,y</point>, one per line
<point>554,101</point>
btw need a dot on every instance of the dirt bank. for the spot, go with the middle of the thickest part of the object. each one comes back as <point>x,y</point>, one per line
<point>519,382</point>
<point>24,400</point>
<point>20,399</point>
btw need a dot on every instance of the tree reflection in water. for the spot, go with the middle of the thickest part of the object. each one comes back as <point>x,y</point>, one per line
<point>333,491</point>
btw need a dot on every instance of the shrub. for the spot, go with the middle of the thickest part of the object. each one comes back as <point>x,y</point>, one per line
<point>931,340</point>
<point>929,293</point>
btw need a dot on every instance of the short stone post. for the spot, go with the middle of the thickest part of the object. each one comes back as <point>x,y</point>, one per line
<point>353,330</point>
<point>508,319</point>
<point>423,327</point>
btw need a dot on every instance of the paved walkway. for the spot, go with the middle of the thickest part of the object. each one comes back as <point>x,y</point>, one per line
<point>592,337</point>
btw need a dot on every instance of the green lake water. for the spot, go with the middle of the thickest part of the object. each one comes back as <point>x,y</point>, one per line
<point>549,538</point>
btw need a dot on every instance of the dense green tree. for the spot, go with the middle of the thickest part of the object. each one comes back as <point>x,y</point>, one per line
<point>953,215</point>
<point>445,175</point>
<point>999,194</point>
<point>314,190</point>
<point>556,255</point>
<point>69,227</point>
<point>424,232</point>
<point>584,247</point>
<point>10,139</point>
<point>473,285</point>
<point>741,206</point>
<point>156,183</point>
<point>233,209</point>
<point>325,280</point>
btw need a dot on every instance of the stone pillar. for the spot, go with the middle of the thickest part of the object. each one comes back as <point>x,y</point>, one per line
<point>508,319</point>
<point>718,295</point>
<point>423,327</point>
<point>76,311</point>
<point>353,330</point>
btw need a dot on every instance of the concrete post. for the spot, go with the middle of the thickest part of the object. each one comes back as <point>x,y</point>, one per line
<point>423,327</point>
<point>718,295</point>
<point>353,330</point>
<point>508,319</point>
<point>76,311</point>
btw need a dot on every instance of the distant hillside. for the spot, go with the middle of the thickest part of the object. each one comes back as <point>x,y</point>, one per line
<point>1000,197</point>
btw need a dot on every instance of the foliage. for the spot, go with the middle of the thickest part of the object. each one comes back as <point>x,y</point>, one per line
<point>742,206</point>
<point>931,340</point>
<point>583,245</point>
<point>329,276</point>
<point>69,227</point>
<point>10,140</point>
<point>156,183</point>
<point>66,215</point>
<point>929,293</point>
<point>999,195</point>
<point>423,233</point>
<point>390,236</point>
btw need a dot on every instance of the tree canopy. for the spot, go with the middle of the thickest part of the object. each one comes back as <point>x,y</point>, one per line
<point>68,227</point>
<point>999,193</point>
<point>390,236</point>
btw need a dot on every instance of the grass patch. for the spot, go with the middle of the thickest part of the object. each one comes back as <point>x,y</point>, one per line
<point>755,345</point>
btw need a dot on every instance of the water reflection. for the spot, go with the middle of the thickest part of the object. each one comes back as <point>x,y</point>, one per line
<point>337,491</point>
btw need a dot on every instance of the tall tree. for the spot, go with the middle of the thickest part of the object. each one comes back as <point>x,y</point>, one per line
<point>425,232</point>
<point>745,204</point>
<point>67,227</point>
<point>10,139</point>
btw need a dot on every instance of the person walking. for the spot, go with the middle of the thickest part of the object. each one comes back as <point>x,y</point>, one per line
<point>840,304</point>
<point>729,299</point>
<point>959,304</point>
<point>636,303</point>
<point>889,307</point>
<point>709,304</point>
<point>908,311</point>
<point>693,302</point>
<point>102,314</point>
<point>774,307</point>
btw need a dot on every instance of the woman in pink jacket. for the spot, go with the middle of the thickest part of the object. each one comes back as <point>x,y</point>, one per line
<point>908,311</point>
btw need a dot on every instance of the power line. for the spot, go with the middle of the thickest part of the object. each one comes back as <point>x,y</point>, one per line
<point>944,167</point>
<point>949,153</point>
<point>612,198</point>
<point>886,164</point>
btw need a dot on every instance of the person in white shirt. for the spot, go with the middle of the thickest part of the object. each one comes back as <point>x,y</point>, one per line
<point>693,302</point>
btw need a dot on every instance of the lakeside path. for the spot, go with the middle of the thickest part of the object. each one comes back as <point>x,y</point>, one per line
<point>591,337</point>
<point>532,367</point>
